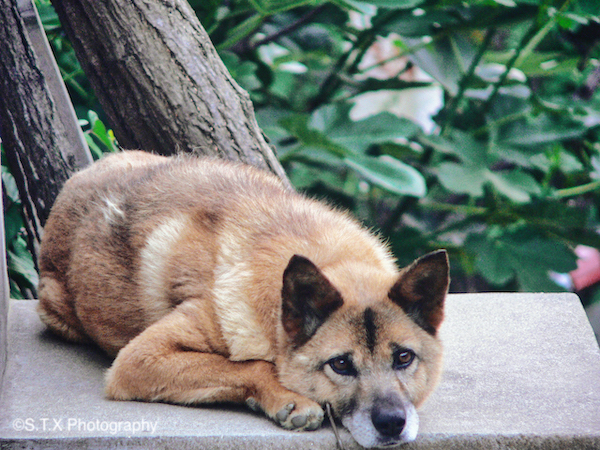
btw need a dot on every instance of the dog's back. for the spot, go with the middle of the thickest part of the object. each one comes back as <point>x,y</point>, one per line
<point>136,234</point>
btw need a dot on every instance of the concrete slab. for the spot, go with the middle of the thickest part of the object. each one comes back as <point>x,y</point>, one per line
<point>521,371</point>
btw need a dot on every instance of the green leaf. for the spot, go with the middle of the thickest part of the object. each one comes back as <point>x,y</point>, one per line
<point>390,174</point>
<point>515,185</point>
<point>541,130</point>
<point>99,130</point>
<point>269,121</point>
<point>329,117</point>
<point>358,136</point>
<point>384,127</point>
<point>522,254</point>
<point>297,126</point>
<point>15,290</point>
<point>96,151</point>
<point>462,179</point>
<point>471,151</point>
<point>571,21</point>
<point>13,223</point>
<point>10,185</point>
<point>490,261</point>
<point>561,160</point>
<point>306,176</point>
<point>270,7</point>
<point>548,64</point>
<point>521,156</point>
<point>365,8</point>
<point>100,140</point>
<point>328,161</point>
<point>396,4</point>
<point>409,25</point>
<point>284,84</point>
<point>242,30</point>
<point>446,60</point>
<point>572,224</point>
<point>20,262</point>
<point>48,16</point>
<point>466,179</point>
<point>533,258</point>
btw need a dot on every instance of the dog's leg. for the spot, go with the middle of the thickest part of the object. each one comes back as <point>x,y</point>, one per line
<point>56,312</point>
<point>176,361</point>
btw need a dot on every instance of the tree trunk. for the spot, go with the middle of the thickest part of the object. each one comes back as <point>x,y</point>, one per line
<point>161,82</point>
<point>31,128</point>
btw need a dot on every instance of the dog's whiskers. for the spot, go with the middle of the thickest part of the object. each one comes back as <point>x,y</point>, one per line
<point>334,427</point>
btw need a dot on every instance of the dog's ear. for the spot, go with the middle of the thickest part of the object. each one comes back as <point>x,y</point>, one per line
<point>308,299</point>
<point>421,290</point>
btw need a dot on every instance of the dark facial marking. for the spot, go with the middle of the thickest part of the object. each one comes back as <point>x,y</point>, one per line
<point>370,329</point>
<point>346,408</point>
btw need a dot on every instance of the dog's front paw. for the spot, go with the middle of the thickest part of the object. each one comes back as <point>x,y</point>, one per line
<point>294,413</point>
<point>298,416</point>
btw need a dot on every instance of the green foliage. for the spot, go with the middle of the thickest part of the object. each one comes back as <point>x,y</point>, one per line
<point>100,140</point>
<point>507,174</point>
<point>22,274</point>
<point>81,93</point>
<point>504,172</point>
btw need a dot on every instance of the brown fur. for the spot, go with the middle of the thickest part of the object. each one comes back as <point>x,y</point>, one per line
<point>185,269</point>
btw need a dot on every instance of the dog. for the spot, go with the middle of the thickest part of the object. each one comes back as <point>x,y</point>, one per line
<point>211,282</point>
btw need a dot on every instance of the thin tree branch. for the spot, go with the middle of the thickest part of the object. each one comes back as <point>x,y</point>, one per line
<point>289,29</point>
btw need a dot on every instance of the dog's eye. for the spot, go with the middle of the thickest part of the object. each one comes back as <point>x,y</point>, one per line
<point>403,358</point>
<point>342,365</point>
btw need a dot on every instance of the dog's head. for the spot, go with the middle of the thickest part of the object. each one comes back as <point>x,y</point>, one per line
<point>364,343</point>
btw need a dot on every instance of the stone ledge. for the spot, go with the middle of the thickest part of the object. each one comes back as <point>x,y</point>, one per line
<point>521,371</point>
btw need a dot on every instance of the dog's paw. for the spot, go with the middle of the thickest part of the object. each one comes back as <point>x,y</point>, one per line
<point>297,413</point>
<point>298,416</point>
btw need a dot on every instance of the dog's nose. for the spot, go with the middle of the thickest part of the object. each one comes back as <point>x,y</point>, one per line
<point>389,422</point>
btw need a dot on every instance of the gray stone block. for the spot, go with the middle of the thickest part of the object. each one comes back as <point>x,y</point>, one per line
<point>521,371</point>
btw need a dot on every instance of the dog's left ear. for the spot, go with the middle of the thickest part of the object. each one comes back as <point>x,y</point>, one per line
<point>308,299</point>
<point>421,290</point>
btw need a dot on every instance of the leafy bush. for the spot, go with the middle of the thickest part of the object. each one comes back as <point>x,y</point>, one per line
<point>23,277</point>
<point>507,174</point>
<point>466,125</point>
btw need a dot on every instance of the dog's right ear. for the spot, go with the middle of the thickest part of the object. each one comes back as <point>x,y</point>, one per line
<point>308,299</point>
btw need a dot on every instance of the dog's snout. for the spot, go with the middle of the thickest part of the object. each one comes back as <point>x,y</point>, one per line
<point>389,422</point>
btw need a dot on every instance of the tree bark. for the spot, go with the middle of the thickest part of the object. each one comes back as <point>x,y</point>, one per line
<point>31,128</point>
<point>161,82</point>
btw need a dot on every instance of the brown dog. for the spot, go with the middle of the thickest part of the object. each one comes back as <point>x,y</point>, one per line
<point>211,282</point>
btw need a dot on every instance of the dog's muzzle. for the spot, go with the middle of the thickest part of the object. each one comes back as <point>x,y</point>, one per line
<point>388,422</point>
